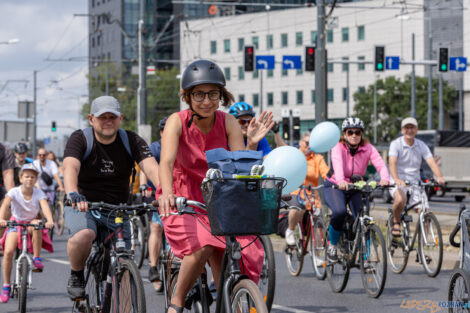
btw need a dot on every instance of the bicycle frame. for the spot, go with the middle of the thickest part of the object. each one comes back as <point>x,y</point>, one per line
<point>24,254</point>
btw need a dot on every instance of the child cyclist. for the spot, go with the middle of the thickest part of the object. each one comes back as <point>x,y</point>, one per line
<point>25,201</point>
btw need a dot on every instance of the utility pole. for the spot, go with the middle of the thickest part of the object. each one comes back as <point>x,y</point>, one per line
<point>34,112</point>
<point>347,90</point>
<point>429,71</point>
<point>320,65</point>
<point>260,72</point>
<point>141,90</point>
<point>375,109</point>
<point>413,78</point>
<point>441,105</point>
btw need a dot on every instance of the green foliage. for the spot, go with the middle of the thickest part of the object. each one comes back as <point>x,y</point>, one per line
<point>394,104</point>
<point>162,94</point>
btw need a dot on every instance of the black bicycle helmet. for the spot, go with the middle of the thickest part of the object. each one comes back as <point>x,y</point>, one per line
<point>21,147</point>
<point>162,123</point>
<point>202,72</point>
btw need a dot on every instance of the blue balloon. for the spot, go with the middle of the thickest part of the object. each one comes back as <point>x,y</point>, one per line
<point>324,137</point>
<point>289,163</point>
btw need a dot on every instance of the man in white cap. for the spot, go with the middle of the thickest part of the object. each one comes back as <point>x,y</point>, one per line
<point>98,162</point>
<point>405,156</point>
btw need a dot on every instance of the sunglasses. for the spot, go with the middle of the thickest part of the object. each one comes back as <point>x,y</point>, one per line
<point>243,122</point>
<point>354,132</point>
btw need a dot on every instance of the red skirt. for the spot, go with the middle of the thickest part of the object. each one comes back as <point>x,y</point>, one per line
<point>46,240</point>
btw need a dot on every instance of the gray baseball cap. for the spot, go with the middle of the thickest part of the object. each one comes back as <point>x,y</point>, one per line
<point>30,167</point>
<point>105,104</point>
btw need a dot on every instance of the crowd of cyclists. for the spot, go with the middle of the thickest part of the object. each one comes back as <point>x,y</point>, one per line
<point>100,161</point>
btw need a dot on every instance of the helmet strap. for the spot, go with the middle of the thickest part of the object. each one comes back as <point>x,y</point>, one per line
<point>194,114</point>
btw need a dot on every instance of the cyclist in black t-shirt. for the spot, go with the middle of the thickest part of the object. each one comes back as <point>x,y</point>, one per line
<point>101,174</point>
<point>7,164</point>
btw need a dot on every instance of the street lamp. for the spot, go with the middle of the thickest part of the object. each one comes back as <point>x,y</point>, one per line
<point>10,41</point>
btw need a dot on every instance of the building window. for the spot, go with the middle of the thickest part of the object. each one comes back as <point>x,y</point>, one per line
<point>361,89</point>
<point>330,95</point>
<point>283,40</point>
<point>313,35</point>
<point>269,42</point>
<point>255,41</point>
<point>361,33</point>
<point>330,67</point>
<point>255,73</point>
<point>92,3</point>
<point>329,35</point>
<point>255,100</point>
<point>227,45</point>
<point>299,71</point>
<point>345,65</point>
<point>361,66</point>
<point>213,47</point>
<point>241,73</point>
<point>300,97</point>
<point>241,98</point>
<point>285,97</point>
<point>284,72</point>
<point>93,42</point>
<point>345,94</point>
<point>270,73</point>
<point>270,99</point>
<point>227,73</point>
<point>241,44</point>
<point>313,96</point>
<point>345,34</point>
<point>299,40</point>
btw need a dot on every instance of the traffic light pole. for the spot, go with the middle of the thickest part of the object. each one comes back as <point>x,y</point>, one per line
<point>291,128</point>
<point>430,75</point>
<point>413,78</point>
<point>141,90</point>
<point>320,65</point>
<point>260,73</point>
<point>441,104</point>
<point>34,113</point>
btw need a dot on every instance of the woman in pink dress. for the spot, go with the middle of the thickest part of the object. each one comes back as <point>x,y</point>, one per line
<point>187,135</point>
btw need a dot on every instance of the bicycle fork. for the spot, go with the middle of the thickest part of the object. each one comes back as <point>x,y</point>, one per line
<point>24,248</point>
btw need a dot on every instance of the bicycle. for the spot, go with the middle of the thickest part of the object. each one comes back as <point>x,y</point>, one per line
<point>113,281</point>
<point>24,266</point>
<point>138,240</point>
<point>267,279</point>
<point>427,231</point>
<point>310,235</point>
<point>58,213</point>
<point>360,245</point>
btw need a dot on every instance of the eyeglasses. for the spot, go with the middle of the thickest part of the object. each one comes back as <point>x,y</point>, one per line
<point>41,155</point>
<point>199,96</point>
<point>243,122</point>
<point>354,132</point>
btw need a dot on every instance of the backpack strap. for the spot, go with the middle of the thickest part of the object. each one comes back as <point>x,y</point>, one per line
<point>125,141</point>
<point>88,133</point>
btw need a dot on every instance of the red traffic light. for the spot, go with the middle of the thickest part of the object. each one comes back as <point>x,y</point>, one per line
<point>249,50</point>
<point>311,51</point>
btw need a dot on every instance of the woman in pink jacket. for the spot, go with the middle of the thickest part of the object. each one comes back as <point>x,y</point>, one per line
<point>349,157</point>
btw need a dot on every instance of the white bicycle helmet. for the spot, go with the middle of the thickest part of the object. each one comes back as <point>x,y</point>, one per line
<point>352,122</point>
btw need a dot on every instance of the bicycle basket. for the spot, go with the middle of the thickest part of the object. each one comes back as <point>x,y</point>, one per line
<point>246,206</point>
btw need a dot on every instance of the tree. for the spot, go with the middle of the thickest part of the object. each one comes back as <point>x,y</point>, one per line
<point>162,94</point>
<point>394,104</point>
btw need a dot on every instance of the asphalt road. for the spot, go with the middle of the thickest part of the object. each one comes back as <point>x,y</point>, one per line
<point>293,294</point>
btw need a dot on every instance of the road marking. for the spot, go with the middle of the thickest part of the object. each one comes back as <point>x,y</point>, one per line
<point>286,308</point>
<point>59,261</point>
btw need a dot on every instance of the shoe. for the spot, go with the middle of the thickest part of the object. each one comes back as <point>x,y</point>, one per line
<point>213,290</point>
<point>154,274</point>
<point>76,287</point>
<point>5,296</point>
<point>158,286</point>
<point>38,266</point>
<point>290,237</point>
<point>319,261</point>
<point>332,254</point>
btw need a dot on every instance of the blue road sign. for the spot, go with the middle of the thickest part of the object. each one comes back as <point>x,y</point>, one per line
<point>458,64</point>
<point>392,63</point>
<point>265,62</point>
<point>291,62</point>
<point>47,140</point>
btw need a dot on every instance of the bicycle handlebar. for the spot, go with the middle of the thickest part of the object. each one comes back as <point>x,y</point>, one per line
<point>122,207</point>
<point>36,226</point>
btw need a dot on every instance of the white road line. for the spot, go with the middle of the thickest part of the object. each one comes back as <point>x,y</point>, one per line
<point>286,308</point>
<point>59,261</point>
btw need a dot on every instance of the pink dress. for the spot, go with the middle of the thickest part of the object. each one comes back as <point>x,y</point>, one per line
<point>188,233</point>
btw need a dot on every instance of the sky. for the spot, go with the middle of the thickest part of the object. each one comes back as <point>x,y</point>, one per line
<point>47,30</point>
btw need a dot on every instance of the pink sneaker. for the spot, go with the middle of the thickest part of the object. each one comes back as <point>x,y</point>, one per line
<point>5,296</point>
<point>38,266</point>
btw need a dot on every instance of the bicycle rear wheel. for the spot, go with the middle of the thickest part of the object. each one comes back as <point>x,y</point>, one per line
<point>337,273</point>
<point>139,245</point>
<point>128,289</point>
<point>23,285</point>
<point>267,280</point>
<point>317,248</point>
<point>295,254</point>
<point>246,298</point>
<point>430,246</point>
<point>459,290</point>
<point>93,288</point>
<point>373,261</point>
<point>397,254</point>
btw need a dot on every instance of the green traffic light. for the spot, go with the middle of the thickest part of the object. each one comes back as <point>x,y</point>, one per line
<point>380,66</point>
<point>443,67</point>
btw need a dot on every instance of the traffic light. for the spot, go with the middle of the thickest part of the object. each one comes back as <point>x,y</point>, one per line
<point>249,58</point>
<point>379,58</point>
<point>309,59</point>
<point>443,59</point>
<point>285,128</point>
<point>296,128</point>
<point>53,127</point>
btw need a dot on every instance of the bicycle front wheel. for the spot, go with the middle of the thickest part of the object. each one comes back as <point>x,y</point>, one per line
<point>138,241</point>
<point>128,289</point>
<point>430,246</point>
<point>317,249</point>
<point>23,285</point>
<point>295,254</point>
<point>59,222</point>
<point>267,280</point>
<point>396,251</point>
<point>459,290</point>
<point>246,298</point>
<point>337,272</point>
<point>373,261</point>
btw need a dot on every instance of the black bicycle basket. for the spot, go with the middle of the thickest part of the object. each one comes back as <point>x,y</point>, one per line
<point>243,206</point>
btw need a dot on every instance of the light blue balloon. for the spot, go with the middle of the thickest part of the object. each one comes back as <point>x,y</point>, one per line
<point>324,137</point>
<point>289,163</point>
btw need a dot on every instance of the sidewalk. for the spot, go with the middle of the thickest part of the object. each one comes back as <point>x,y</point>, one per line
<point>380,215</point>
